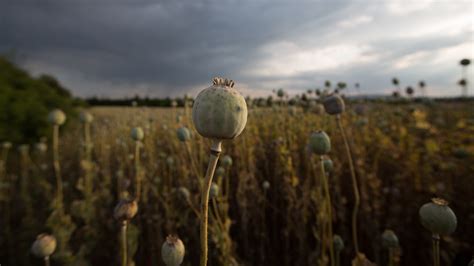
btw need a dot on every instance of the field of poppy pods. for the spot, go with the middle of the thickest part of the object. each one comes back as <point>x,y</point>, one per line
<point>314,180</point>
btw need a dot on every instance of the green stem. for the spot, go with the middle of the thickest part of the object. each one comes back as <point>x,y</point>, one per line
<point>390,256</point>
<point>436,261</point>
<point>329,211</point>
<point>124,243</point>
<point>354,186</point>
<point>137,171</point>
<point>214,157</point>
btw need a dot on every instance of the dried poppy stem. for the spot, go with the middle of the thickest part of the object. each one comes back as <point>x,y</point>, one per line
<point>214,157</point>
<point>354,186</point>
<point>46,261</point>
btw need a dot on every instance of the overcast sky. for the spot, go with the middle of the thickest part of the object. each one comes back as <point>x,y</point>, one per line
<point>168,47</point>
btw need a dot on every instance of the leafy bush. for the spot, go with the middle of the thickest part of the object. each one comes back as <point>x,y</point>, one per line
<point>25,102</point>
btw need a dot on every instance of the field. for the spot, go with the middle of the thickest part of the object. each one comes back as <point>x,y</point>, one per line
<point>268,204</point>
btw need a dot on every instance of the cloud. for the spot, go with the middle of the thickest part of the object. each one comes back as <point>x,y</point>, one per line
<point>167,48</point>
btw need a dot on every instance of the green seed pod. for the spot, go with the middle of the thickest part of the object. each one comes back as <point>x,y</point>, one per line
<point>183,134</point>
<point>317,108</point>
<point>214,192</point>
<point>169,161</point>
<point>220,171</point>
<point>125,210</point>
<point>319,143</point>
<point>184,193</point>
<point>328,165</point>
<point>334,104</point>
<point>338,243</point>
<point>437,217</point>
<point>389,239</point>
<point>137,133</point>
<point>86,117</point>
<point>220,112</point>
<point>172,251</point>
<point>44,245</point>
<point>465,62</point>
<point>226,160</point>
<point>57,117</point>
<point>280,93</point>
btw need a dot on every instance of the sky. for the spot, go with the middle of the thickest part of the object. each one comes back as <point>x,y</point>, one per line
<point>118,48</point>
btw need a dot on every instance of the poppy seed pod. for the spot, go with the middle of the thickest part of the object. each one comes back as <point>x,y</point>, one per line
<point>334,104</point>
<point>266,185</point>
<point>44,245</point>
<point>319,143</point>
<point>86,117</point>
<point>184,193</point>
<point>214,191</point>
<point>338,243</point>
<point>137,133</point>
<point>183,134</point>
<point>41,147</point>
<point>220,112</point>
<point>437,217</point>
<point>389,239</point>
<point>125,210</point>
<point>465,62</point>
<point>226,160</point>
<point>172,251</point>
<point>57,117</point>
<point>220,171</point>
<point>328,165</point>
<point>280,93</point>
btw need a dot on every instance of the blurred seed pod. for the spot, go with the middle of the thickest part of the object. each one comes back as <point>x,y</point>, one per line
<point>334,104</point>
<point>6,145</point>
<point>86,117</point>
<point>183,134</point>
<point>389,239</point>
<point>437,217</point>
<point>319,143</point>
<point>220,171</point>
<point>172,251</point>
<point>338,243</point>
<point>41,147</point>
<point>266,185</point>
<point>137,134</point>
<point>170,161</point>
<point>125,210</point>
<point>328,165</point>
<point>44,245</point>
<point>184,193</point>
<point>214,191</point>
<point>465,62</point>
<point>226,160</point>
<point>24,149</point>
<point>57,117</point>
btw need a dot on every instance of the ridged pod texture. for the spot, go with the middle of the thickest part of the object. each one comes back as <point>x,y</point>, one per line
<point>438,218</point>
<point>44,245</point>
<point>172,251</point>
<point>319,143</point>
<point>220,112</point>
<point>57,117</point>
<point>334,104</point>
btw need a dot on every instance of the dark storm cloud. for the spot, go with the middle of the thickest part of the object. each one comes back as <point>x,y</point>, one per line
<point>165,47</point>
